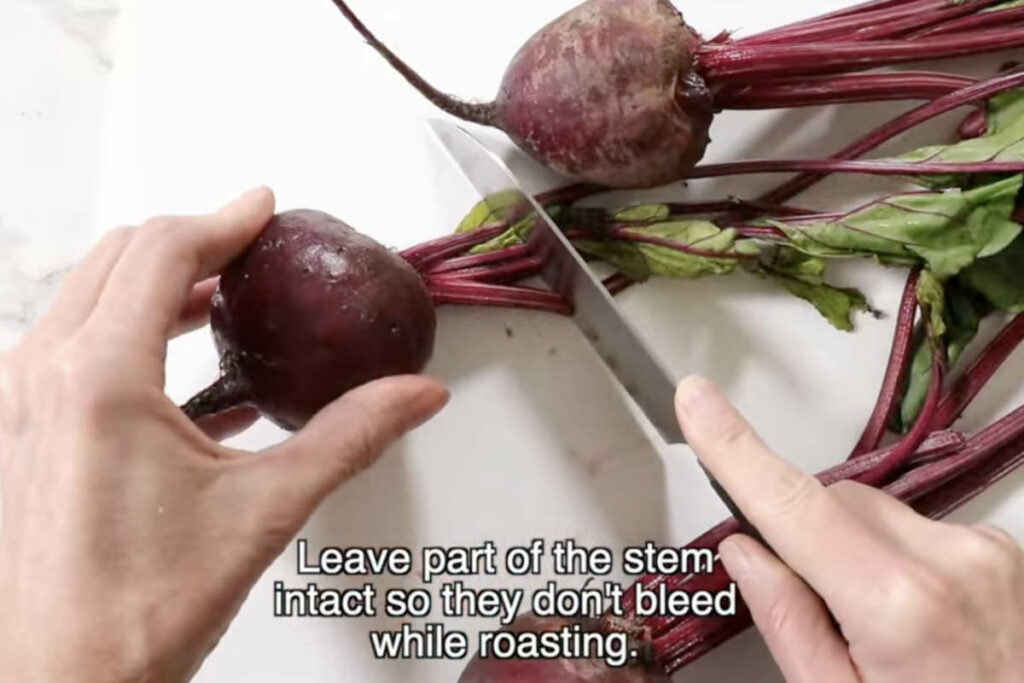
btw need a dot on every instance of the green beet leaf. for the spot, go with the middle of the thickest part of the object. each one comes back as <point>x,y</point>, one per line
<point>494,209</point>
<point>1000,278</point>
<point>804,277</point>
<point>640,260</point>
<point>947,230</point>
<point>1004,141</point>
<point>643,213</point>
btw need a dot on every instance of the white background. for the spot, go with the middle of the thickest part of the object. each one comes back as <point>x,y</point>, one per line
<point>215,96</point>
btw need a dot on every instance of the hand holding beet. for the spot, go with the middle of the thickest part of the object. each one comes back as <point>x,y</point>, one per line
<point>130,536</point>
<point>310,311</point>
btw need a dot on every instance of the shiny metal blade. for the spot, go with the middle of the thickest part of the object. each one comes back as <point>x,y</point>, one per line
<point>595,311</point>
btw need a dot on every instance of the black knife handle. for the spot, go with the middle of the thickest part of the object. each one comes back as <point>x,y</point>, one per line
<point>745,526</point>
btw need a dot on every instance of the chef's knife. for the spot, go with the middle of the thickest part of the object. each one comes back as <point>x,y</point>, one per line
<point>596,313</point>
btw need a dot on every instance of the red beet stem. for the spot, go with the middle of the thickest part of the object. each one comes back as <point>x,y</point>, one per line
<point>484,114</point>
<point>994,17</point>
<point>945,11</point>
<point>476,260</point>
<point>980,448</point>
<point>913,440</point>
<point>974,379</point>
<point>758,232</point>
<point>888,22</point>
<point>462,293</point>
<point>949,498</point>
<point>569,194</point>
<point>618,283</point>
<point>423,256</point>
<point>896,372</point>
<point>736,204</point>
<point>974,126</point>
<point>720,64</point>
<point>975,93</point>
<point>697,638</point>
<point>839,89</point>
<point>864,8</point>
<point>936,447</point>
<point>507,272</point>
<point>881,168</point>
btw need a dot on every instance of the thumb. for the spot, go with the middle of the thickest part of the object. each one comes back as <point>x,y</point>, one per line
<point>349,435</point>
<point>792,619</point>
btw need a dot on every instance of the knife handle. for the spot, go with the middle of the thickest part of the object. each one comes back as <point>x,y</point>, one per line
<point>745,526</point>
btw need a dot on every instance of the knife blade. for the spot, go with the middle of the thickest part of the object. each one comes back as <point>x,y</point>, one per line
<point>595,312</point>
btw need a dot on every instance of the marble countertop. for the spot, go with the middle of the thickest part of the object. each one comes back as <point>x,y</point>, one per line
<point>56,59</point>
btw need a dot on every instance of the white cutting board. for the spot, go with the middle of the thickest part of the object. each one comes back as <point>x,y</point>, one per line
<point>214,96</point>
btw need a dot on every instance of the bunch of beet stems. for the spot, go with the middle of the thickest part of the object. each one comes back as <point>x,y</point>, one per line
<point>809,63</point>
<point>456,276</point>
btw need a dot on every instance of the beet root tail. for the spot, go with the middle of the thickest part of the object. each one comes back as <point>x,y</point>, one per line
<point>223,395</point>
<point>484,114</point>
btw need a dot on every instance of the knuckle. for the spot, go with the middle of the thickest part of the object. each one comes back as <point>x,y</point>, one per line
<point>999,537</point>
<point>913,601</point>
<point>990,551</point>
<point>732,434</point>
<point>847,490</point>
<point>790,495</point>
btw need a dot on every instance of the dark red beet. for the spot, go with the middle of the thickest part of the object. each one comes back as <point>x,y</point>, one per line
<point>311,310</point>
<point>556,670</point>
<point>621,93</point>
<point>607,94</point>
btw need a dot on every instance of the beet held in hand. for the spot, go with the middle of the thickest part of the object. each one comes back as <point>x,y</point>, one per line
<point>622,93</point>
<point>313,309</point>
<point>310,311</point>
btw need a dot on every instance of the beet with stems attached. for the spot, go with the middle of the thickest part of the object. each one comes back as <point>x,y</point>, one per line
<point>311,310</point>
<point>622,93</point>
<point>605,93</point>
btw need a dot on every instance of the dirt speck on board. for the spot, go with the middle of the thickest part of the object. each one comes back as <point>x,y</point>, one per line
<point>553,351</point>
<point>510,333</point>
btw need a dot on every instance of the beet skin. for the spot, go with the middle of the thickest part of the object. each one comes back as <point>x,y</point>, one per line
<point>310,311</point>
<point>608,93</point>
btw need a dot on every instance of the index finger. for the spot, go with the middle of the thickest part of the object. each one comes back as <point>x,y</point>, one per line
<point>148,289</point>
<point>817,537</point>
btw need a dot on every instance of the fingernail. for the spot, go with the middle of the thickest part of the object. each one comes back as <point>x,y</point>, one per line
<point>735,556</point>
<point>431,401</point>
<point>697,398</point>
